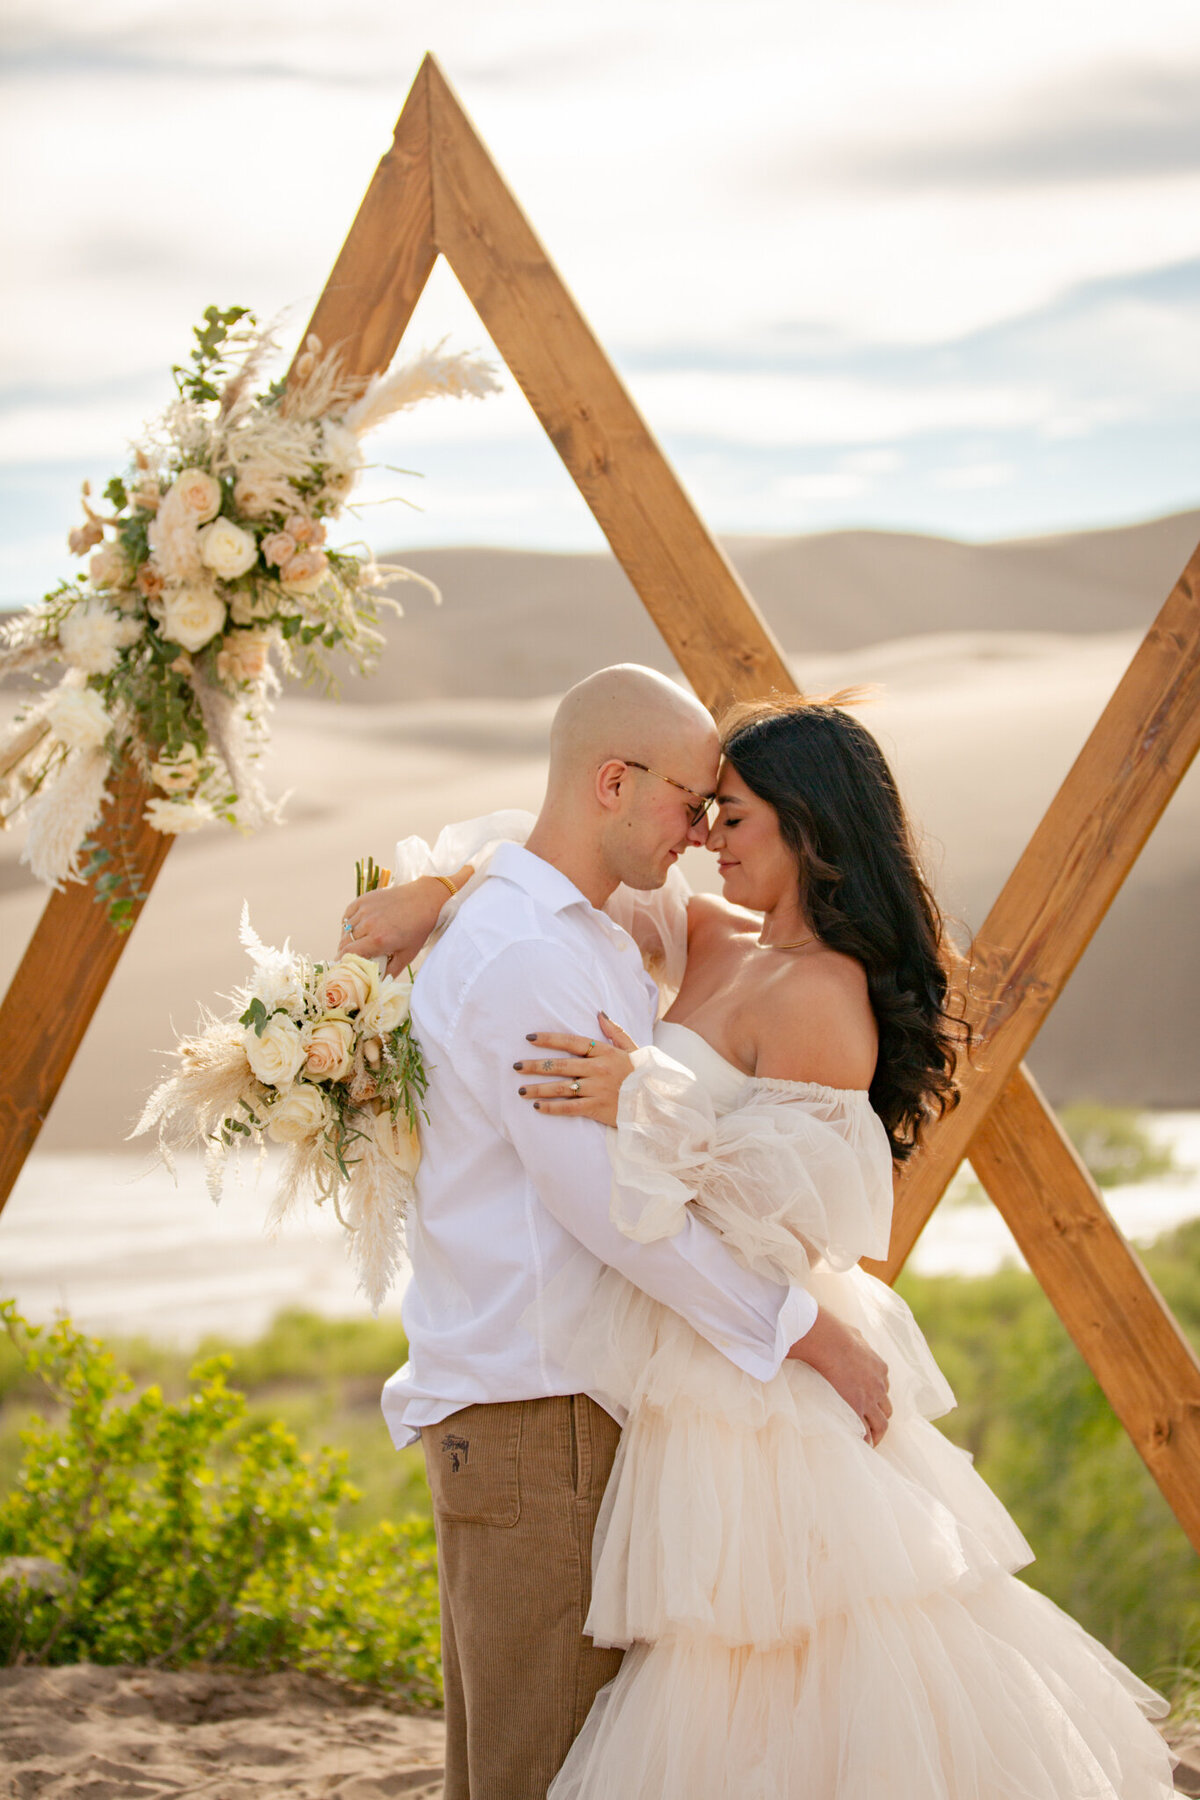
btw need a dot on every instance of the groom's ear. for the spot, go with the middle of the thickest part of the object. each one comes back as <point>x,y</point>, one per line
<point>610,778</point>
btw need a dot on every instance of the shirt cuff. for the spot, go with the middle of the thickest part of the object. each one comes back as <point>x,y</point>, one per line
<point>797,1316</point>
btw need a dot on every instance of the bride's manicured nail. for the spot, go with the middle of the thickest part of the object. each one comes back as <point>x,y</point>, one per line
<point>521,1090</point>
<point>537,1106</point>
<point>518,1067</point>
<point>531,1037</point>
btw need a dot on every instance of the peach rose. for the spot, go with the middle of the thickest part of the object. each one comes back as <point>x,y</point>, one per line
<point>149,581</point>
<point>196,493</point>
<point>328,1048</point>
<point>349,984</point>
<point>176,774</point>
<point>304,529</point>
<point>304,572</point>
<point>279,547</point>
<point>244,657</point>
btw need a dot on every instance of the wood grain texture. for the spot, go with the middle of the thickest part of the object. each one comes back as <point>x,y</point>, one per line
<point>389,251</point>
<point>688,586</point>
<point>1064,883</point>
<point>60,980</point>
<point>1098,1286</point>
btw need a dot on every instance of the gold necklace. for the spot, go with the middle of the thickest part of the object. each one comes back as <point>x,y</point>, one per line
<point>798,945</point>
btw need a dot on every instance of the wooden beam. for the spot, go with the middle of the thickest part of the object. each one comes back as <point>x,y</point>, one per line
<point>719,638</point>
<point>1064,883</point>
<point>389,251</point>
<point>1098,1286</point>
<point>61,978</point>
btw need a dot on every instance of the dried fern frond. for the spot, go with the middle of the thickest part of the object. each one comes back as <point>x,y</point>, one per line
<point>319,384</point>
<point>212,1080</point>
<point>433,373</point>
<point>63,815</point>
<point>373,1210</point>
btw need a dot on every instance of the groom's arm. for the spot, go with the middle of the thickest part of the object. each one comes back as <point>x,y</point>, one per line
<point>752,1320</point>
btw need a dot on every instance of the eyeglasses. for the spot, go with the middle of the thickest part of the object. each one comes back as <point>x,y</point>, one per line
<point>703,801</point>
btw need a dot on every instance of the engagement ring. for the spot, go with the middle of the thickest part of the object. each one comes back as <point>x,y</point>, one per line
<point>575,1088</point>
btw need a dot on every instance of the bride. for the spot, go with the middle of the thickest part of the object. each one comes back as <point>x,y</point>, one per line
<point>809,1608</point>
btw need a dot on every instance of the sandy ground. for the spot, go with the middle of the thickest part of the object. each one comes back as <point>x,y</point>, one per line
<point>149,1734</point>
<point>89,1733</point>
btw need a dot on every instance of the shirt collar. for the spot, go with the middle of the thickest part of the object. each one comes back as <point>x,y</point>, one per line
<point>537,878</point>
<point>550,887</point>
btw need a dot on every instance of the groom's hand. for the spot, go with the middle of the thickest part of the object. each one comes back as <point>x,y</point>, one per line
<point>848,1363</point>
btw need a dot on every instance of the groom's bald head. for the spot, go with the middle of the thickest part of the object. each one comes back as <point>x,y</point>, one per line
<point>631,755</point>
<point>631,713</point>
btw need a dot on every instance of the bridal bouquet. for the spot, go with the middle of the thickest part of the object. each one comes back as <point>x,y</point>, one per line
<point>208,555</point>
<point>318,1057</point>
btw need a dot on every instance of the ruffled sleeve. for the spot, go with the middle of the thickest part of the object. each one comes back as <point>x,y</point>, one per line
<point>792,1174</point>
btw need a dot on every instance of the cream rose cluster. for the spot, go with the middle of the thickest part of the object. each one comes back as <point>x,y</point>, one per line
<point>192,616</point>
<point>276,1054</point>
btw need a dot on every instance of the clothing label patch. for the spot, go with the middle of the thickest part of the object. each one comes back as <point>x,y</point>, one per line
<point>458,1449</point>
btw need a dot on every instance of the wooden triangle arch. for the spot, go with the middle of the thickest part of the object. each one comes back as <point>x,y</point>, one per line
<point>437,191</point>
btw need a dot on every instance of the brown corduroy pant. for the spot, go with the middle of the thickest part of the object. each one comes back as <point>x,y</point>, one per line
<point>516,1488</point>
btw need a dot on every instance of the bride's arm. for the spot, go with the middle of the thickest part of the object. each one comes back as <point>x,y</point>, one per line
<point>398,921</point>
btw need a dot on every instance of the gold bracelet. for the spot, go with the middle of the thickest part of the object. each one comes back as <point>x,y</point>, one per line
<point>447,884</point>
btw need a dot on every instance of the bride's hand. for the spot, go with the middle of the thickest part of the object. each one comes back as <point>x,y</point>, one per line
<point>396,921</point>
<point>586,1081</point>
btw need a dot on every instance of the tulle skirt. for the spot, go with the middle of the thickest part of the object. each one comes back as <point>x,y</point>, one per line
<point>809,1618</point>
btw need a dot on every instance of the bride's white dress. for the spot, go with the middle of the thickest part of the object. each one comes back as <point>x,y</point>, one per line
<point>809,1618</point>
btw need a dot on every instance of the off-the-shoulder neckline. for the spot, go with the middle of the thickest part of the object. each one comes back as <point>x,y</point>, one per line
<point>768,1081</point>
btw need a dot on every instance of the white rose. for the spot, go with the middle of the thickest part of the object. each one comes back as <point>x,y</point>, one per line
<point>389,1008</point>
<point>191,616</point>
<point>77,718</point>
<point>350,984</point>
<point>90,637</point>
<point>301,1114</point>
<point>276,1056</point>
<point>197,493</point>
<point>399,1145</point>
<point>227,549</point>
<point>176,816</point>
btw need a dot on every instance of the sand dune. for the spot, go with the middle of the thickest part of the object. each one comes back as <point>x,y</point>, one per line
<point>522,623</point>
<point>981,725</point>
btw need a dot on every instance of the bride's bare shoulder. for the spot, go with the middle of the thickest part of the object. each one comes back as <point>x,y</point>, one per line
<point>710,916</point>
<point>815,1023</point>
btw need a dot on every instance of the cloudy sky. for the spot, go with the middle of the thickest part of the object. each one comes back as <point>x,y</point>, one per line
<point>927,264</point>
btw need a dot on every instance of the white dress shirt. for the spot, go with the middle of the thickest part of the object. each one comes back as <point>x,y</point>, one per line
<point>506,1196</point>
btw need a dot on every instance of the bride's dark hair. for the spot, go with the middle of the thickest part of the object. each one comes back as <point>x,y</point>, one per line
<point>862,890</point>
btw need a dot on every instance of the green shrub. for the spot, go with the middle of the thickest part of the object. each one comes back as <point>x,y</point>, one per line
<point>175,1532</point>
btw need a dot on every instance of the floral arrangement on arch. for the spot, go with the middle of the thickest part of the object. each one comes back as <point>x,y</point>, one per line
<point>211,555</point>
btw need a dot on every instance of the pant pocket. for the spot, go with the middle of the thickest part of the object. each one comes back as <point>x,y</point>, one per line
<point>473,1459</point>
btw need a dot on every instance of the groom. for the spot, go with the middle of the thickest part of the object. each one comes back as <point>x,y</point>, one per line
<point>506,1199</point>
